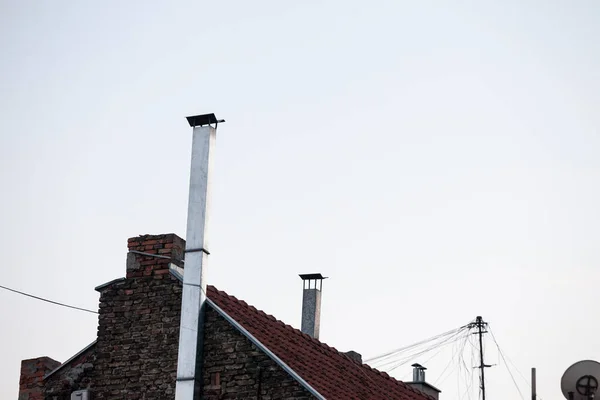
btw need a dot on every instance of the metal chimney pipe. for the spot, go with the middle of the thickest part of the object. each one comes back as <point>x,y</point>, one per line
<point>191,330</point>
<point>311,304</point>
<point>418,373</point>
<point>416,377</point>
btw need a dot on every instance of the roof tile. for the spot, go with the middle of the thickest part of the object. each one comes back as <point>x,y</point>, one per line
<point>332,373</point>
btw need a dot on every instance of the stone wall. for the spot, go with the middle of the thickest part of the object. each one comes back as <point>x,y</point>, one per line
<point>234,368</point>
<point>138,330</point>
<point>76,375</point>
<point>135,356</point>
<point>31,381</point>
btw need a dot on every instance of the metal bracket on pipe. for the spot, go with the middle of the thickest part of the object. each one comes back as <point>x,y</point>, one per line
<point>141,253</point>
<point>196,250</point>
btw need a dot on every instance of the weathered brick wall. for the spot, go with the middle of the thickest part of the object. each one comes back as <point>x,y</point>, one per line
<point>76,375</point>
<point>138,330</point>
<point>234,368</point>
<point>135,356</point>
<point>31,382</point>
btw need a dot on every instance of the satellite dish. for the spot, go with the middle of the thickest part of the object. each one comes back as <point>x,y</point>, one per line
<point>580,380</point>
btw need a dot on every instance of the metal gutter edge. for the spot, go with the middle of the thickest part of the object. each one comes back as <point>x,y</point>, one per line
<point>176,272</point>
<point>80,352</point>
<point>265,350</point>
<point>100,287</point>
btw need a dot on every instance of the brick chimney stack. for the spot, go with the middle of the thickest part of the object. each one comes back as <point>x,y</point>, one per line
<point>142,260</point>
<point>138,323</point>
<point>31,383</point>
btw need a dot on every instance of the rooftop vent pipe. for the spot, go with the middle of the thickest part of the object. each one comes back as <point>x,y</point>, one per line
<point>189,359</point>
<point>419,382</point>
<point>418,373</point>
<point>311,303</point>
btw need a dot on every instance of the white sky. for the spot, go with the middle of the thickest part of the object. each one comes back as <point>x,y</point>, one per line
<point>438,160</point>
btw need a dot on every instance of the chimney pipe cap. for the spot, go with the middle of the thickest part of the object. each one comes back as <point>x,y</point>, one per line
<point>418,366</point>
<point>306,277</point>
<point>204,119</point>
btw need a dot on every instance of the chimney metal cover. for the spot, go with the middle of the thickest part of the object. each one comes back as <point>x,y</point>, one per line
<point>204,119</point>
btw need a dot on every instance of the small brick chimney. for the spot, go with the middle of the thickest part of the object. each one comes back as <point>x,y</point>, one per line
<point>355,356</point>
<point>151,254</point>
<point>31,382</point>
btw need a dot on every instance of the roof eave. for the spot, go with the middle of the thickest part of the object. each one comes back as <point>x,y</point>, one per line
<point>80,352</point>
<point>104,285</point>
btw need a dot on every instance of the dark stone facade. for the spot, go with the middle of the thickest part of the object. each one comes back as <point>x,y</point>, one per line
<point>138,328</point>
<point>234,368</point>
<point>135,356</point>
<point>76,375</point>
<point>138,334</point>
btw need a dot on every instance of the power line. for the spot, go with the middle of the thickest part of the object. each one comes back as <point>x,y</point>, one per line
<point>473,357</point>
<point>397,351</point>
<point>48,301</point>
<point>439,379</point>
<point>400,358</point>
<point>462,367</point>
<point>506,364</point>
<point>401,349</point>
<point>514,365</point>
<point>468,380</point>
<point>404,360</point>
<point>443,344</point>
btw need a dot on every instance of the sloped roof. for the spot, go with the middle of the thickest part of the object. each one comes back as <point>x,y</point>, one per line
<point>330,372</point>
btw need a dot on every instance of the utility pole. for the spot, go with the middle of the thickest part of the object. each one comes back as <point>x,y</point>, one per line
<point>481,325</point>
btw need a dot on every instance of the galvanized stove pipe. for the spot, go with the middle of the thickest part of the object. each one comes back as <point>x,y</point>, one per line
<point>189,360</point>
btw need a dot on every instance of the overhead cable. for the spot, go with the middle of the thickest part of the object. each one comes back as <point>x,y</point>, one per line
<point>439,379</point>
<point>440,348</point>
<point>48,301</point>
<point>505,363</point>
<point>463,367</point>
<point>406,355</point>
<point>412,346</point>
<point>407,358</point>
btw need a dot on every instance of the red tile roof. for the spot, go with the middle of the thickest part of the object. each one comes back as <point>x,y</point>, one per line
<point>333,374</point>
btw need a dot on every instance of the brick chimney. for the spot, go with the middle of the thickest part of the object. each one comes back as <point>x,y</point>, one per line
<point>31,382</point>
<point>355,356</point>
<point>151,254</point>
<point>138,323</point>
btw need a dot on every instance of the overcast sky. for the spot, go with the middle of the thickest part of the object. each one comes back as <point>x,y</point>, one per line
<point>437,160</point>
